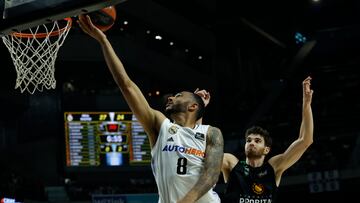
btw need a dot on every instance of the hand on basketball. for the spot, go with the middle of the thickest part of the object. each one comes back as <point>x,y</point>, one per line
<point>89,28</point>
<point>205,95</point>
<point>307,91</point>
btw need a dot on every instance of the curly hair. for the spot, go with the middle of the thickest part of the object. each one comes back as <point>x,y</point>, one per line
<point>259,131</point>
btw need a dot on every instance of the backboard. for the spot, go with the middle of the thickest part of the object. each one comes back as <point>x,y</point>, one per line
<point>17,15</point>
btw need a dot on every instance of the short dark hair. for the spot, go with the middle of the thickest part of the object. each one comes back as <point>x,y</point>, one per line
<point>201,106</point>
<point>259,131</point>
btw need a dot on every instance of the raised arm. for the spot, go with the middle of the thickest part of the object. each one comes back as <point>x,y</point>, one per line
<point>148,117</point>
<point>205,96</point>
<point>213,159</point>
<point>285,160</point>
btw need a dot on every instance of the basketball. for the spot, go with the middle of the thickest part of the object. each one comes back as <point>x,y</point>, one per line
<point>104,18</point>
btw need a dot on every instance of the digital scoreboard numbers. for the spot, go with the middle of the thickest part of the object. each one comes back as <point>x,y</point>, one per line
<point>105,139</point>
<point>81,142</point>
<point>141,151</point>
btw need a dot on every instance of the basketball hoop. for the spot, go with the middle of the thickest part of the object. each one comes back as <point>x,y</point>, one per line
<point>34,54</point>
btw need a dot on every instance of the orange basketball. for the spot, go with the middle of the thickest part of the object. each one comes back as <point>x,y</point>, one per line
<point>104,18</point>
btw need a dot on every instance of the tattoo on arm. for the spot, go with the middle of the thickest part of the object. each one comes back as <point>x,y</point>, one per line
<point>214,151</point>
<point>213,159</point>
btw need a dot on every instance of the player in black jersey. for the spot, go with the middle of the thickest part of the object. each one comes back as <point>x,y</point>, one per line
<point>257,180</point>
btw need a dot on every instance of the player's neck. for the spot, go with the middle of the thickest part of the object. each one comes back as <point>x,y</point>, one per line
<point>255,162</point>
<point>184,120</point>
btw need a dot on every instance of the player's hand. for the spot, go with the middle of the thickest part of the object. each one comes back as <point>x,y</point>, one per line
<point>307,91</point>
<point>205,95</point>
<point>89,28</point>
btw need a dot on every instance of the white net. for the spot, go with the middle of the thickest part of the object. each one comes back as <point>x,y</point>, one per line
<point>34,55</point>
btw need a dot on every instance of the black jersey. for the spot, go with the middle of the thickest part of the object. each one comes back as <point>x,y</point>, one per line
<point>247,184</point>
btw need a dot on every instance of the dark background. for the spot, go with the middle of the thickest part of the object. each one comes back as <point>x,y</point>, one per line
<point>250,63</point>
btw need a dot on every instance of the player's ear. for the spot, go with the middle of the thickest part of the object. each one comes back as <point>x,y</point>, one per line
<point>193,107</point>
<point>267,150</point>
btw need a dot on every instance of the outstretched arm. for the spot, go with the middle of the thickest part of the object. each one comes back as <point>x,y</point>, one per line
<point>210,174</point>
<point>285,160</point>
<point>148,117</point>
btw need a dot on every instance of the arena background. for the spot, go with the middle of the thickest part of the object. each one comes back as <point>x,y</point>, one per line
<point>245,54</point>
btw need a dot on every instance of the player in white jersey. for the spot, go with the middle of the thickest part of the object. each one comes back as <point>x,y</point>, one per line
<point>183,151</point>
<point>187,168</point>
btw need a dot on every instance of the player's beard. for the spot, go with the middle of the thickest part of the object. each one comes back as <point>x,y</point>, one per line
<point>252,153</point>
<point>175,108</point>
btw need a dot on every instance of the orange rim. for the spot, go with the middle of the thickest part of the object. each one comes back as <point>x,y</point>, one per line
<point>43,34</point>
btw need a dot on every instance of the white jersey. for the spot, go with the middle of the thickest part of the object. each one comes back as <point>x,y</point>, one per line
<point>177,161</point>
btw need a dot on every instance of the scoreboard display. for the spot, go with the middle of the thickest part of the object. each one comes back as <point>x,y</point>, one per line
<point>100,139</point>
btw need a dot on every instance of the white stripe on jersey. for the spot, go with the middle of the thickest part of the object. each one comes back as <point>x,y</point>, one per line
<point>177,160</point>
